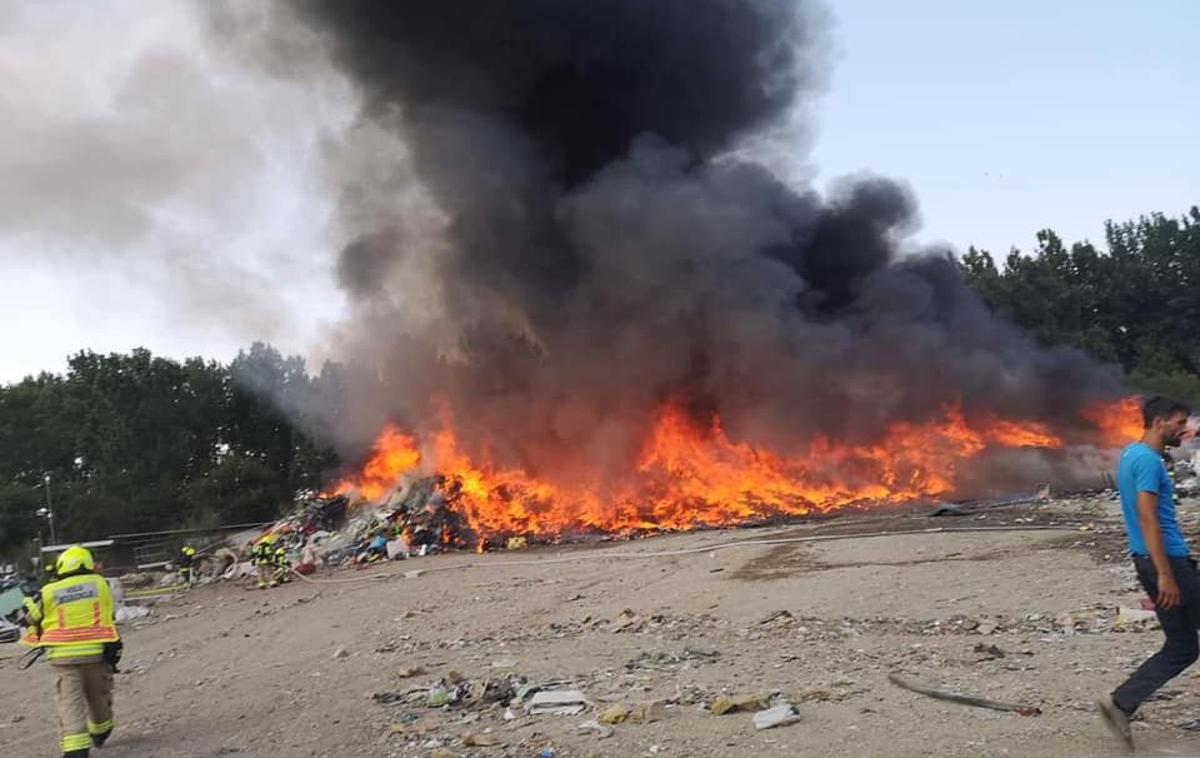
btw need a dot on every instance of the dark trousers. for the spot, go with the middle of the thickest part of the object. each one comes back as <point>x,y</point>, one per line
<point>1179,624</point>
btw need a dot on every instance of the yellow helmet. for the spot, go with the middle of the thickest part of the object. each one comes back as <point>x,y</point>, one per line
<point>74,558</point>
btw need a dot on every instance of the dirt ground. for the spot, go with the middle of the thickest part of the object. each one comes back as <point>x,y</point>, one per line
<point>1020,616</point>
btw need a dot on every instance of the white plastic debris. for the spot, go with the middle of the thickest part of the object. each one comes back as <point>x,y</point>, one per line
<point>130,612</point>
<point>602,731</point>
<point>397,548</point>
<point>557,703</point>
<point>780,715</point>
<point>1135,617</point>
<point>238,570</point>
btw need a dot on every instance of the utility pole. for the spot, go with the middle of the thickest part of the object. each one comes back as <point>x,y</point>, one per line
<point>50,512</point>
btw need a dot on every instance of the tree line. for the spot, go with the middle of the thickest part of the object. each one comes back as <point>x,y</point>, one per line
<point>1135,303</point>
<point>135,442</point>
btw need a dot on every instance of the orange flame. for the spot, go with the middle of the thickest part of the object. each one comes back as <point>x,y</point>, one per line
<point>1119,423</point>
<point>393,455</point>
<point>691,474</point>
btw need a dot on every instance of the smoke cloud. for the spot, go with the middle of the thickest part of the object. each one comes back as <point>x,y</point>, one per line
<point>153,175</point>
<point>552,221</point>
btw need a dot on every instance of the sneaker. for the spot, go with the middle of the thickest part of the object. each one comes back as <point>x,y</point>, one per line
<point>1116,720</point>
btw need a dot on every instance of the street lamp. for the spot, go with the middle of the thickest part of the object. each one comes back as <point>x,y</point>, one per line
<point>48,512</point>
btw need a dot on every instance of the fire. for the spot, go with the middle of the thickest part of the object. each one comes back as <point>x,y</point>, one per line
<point>394,455</point>
<point>690,474</point>
<point>1119,423</point>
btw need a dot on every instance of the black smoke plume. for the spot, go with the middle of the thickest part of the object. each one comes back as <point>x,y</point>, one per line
<point>553,223</point>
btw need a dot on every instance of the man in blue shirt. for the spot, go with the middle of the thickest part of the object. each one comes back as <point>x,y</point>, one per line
<point>1162,559</point>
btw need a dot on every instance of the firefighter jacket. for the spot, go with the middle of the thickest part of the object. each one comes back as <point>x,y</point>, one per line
<point>261,554</point>
<point>73,620</point>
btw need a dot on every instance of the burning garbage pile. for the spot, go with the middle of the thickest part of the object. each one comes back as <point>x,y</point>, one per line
<point>589,293</point>
<point>686,478</point>
<point>393,507</point>
<point>326,531</point>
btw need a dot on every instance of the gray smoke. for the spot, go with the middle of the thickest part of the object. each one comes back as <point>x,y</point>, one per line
<point>551,222</point>
<point>141,167</point>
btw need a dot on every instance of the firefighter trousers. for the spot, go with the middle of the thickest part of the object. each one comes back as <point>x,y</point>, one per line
<point>84,699</point>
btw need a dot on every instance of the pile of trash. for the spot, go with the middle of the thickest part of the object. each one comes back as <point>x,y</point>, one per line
<point>1184,468</point>
<point>333,531</point>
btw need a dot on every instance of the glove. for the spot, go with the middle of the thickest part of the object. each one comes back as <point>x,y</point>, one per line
<point>112,654</point>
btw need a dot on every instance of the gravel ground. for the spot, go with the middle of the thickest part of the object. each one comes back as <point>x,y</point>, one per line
<point>1028,617</point>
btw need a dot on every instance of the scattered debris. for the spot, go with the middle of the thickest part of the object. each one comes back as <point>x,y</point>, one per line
<point>778,617</point>
<point>602,731</point>
<point>130,613</point>
<point>822,695</point>
<point>780,715</point>
<point>341,652</point>
<point>614,714</point>
<point>648,712</point>
<point>407,672</point>
<point>663,661</point>
<point>971,700</point>
<point>638,713</point>
<point>480,740</point>
<point>397,549</point>
<point>743,702</point>
<point>1135,618</point>
<point>557,703</point>
<point>438,696</point>
<point>386,698</point>
<point>988,652</point>
<point>136,581</point>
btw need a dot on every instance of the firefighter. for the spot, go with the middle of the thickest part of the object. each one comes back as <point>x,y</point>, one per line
<point>283,567</point>
<point>72,618</point>
<point>264,559</point>
<point>187,560</point>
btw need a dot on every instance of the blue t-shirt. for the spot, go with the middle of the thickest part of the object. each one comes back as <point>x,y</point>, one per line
<point>1142,470</point>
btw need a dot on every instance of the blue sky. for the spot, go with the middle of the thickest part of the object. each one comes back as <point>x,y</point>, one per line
<point>187,180</point>
<point>1007,117</point>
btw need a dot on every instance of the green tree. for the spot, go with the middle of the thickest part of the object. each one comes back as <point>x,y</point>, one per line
<point>135,442</point>
<point>1134,304</point>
